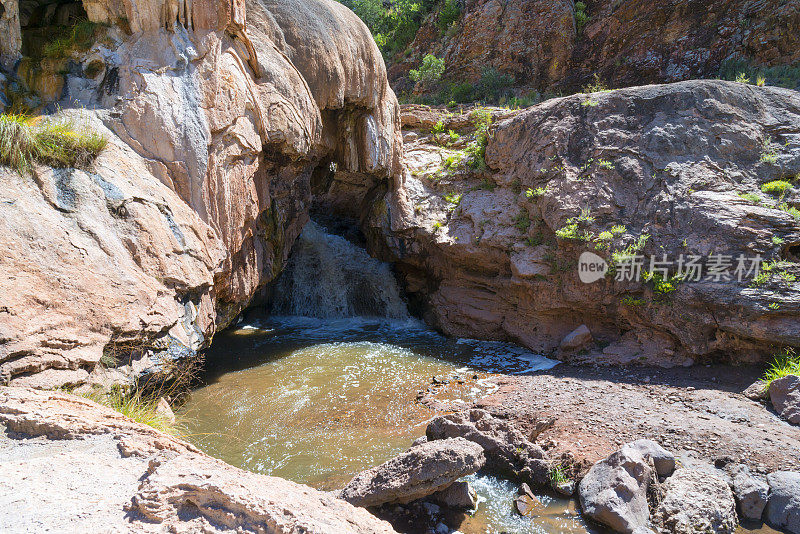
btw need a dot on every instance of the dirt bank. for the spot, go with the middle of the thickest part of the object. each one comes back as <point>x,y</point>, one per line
<point>696,412</point>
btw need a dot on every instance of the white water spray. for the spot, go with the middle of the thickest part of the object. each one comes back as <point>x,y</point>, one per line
<point>329,277</point>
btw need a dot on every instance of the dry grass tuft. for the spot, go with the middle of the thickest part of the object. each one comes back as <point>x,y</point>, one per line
<point>54,141</point>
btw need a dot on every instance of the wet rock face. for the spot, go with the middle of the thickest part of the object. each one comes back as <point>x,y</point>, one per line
<point>127,477</point>
<point>696,501</point>
<point>626,43</point>
<point>665,167</point>
<point>421,471</point>
<point>218,113</point>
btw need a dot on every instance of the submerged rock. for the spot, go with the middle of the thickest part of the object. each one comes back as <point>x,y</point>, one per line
<point>614,491</point>
<point>696,502</point>
<point>507,450</point>
<point>785,396</point>
<point>420,471</point>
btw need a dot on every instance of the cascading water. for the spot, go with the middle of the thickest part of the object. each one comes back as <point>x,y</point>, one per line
<point>329,383</point>
<point>329,277</point>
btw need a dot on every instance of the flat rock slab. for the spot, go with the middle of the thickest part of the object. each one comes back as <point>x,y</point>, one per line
<point>115,475</point>
<point>422,470</point>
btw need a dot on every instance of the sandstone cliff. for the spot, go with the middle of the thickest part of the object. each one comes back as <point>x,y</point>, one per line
<point>218,114</point>
<point>675,170</point>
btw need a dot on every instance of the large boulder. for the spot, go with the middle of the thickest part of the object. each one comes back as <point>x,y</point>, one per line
<point>696,502</point>
<point>214,112</point>
<point>614,491</point>
<point>563,174</point>
<point>785,396</point>
<point>751,494</point>
<point>420,471</point>
<point>507,450</point>
<point>783,508</point>
<point>114,474</point>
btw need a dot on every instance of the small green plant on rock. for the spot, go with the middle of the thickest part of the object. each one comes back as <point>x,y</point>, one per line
<point>742,78</point>
<point>776,187</point>
<point>136,406</point>
<point>535,193</point>
<point>522,221</point>
<point>752,198</point>
<point>557,475</point>
<point>769,154</point>
<point>581,17</point>
<point>787,362</point>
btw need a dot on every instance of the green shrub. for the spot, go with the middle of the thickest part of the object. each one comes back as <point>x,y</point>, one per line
<point>81,36</point>
<point>785,363</point>
<point>448,14</point>
<point>751,198</point>
<point>776,187</point>
<point>53,141</point>
<point>787,76</point>
<point>393,25</point>
<point>430,71</point>
<point>476,150</point>
<point>493,85</point>
<point>581,17</point>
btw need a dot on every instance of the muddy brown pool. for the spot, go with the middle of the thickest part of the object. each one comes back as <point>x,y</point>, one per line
<point>318,401</point>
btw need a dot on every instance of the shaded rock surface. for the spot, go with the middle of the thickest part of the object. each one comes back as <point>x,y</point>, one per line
<point>785,396</point>
<point>420,471</point>
<point>665,163</point>
<point>694,502</point>
<point>459,495</point>
<point>614,491</point>
<point>507,450</point>
<point>218,115</point>
<point>783,508</point>
<point>663,460</point>
<point>115,474</point>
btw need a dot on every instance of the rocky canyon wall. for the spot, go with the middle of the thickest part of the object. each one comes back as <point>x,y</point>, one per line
<point>218,113</point>
<point>663,172</point>
<point>545,46</point>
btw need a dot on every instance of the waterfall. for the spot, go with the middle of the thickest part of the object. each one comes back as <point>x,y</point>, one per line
<point>329,277</point>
